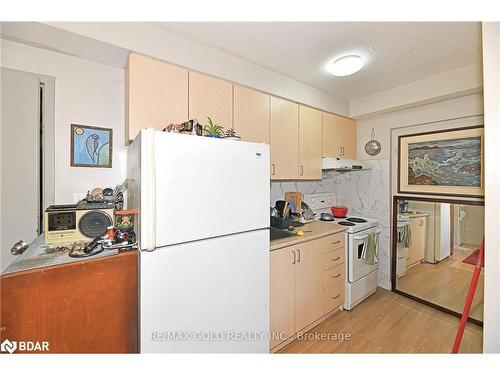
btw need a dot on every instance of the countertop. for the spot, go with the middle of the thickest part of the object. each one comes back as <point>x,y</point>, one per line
<point>313,230</point>
<point>414,214</point>
<point>35,257</point>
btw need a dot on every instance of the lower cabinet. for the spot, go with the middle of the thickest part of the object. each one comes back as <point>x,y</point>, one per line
<point>307,282</point>
<point>88,306</point>
<point>416,252</point>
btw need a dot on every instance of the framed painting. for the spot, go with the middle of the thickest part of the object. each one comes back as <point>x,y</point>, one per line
<point>449,162</point>
<point>91,146</point>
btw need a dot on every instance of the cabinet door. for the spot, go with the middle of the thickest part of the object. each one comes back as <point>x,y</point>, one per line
<point>284,139</point>
<point>308,284</point>
<point>210,97</point>
<point>416,252</point>
<point>251,114</point>
<point>310,135</point>
<point>281,295</point>
<point>156,94</point>
<point>339,136</point>
<point>62,305</point>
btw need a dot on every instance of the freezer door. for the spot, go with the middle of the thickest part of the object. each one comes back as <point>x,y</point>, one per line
<point>206,296</point>
<point>207,187</point>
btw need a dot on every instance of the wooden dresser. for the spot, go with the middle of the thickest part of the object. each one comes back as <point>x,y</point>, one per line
<point>89,306</point>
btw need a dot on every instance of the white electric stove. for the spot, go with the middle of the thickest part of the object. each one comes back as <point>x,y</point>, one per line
<point>361,280</point>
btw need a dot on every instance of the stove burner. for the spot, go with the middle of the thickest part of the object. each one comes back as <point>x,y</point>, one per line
<point>356,220</point>
<point>346,223</point>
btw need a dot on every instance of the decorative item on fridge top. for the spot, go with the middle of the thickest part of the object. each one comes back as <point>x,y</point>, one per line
<point>192,127</point>
<point>231,135</point>
<point>91,146</point>
<point>213,129</point>
<point>373,147</point>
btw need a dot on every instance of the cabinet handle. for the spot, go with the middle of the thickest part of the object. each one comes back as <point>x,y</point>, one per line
<point>294,257</point>
<point>337,296</point>
<point>301,170</point>
<point>342,151</point>
<point>273,167</point>
<point>336,276</point>
<point>334,259</point>
<point>298,261</point>
<point>335,242</point>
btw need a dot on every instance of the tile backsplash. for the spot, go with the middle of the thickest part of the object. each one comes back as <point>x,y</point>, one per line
<point>365,193</point>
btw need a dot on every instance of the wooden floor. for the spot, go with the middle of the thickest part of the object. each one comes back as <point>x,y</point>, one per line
<point>445,283</point>
<point>389,323</point>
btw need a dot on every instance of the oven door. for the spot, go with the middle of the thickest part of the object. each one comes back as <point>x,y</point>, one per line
<point>356,243</point>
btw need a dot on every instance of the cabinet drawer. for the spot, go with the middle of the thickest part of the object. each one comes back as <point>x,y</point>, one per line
<point>333,275</point>
<point>333,296</point>
<point>333,258</point>
<point>333,242</point>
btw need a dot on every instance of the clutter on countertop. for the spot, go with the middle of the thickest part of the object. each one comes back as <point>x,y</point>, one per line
<point>310,231</point>
<point>38,255</point>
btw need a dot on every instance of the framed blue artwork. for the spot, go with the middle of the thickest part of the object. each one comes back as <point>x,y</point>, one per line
<point>443,162</point>
<point>91,146</point>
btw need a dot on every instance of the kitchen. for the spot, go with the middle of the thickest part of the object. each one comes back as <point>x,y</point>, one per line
<point>327,168</point>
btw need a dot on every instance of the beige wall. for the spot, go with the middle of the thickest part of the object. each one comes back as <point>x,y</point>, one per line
<point>86,93</point>
<point>472,226</point>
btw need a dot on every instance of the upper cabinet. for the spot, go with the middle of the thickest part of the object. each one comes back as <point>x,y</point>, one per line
<point>339,136</point>
<point>251,114</point>
<point>210,97</point>
<point>156,94</point>
<point>284,139</point>
<point>310,128</point>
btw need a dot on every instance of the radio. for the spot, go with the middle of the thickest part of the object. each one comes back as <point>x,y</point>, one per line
<point>77,222</point>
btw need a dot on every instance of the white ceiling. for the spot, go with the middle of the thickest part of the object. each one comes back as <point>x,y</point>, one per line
<point>396,53</point>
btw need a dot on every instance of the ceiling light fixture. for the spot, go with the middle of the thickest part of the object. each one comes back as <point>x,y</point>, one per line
<point>346,65</point>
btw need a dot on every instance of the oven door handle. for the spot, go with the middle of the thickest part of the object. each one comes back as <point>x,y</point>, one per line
<point>360,238</point>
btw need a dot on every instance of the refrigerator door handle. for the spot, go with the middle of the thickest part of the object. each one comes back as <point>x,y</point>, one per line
<point>148,242</point>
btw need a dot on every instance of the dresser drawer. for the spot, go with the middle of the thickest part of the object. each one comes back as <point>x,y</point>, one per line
<point>333,296</point>
<point>333,242</point>
<point>333,258</point>
<point>333,275</point>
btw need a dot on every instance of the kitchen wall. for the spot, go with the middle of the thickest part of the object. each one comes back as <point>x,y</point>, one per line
<point>86,93</point>
<point>365,193</point>
<point>469,105</point>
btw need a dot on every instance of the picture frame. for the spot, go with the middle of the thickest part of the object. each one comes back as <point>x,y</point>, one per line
<point>444,162</point>
<point>91,146</point>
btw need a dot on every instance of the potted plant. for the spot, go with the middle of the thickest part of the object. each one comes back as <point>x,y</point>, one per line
<point>213,130</point>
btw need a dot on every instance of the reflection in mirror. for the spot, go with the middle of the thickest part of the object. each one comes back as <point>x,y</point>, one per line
<point>437,246</point>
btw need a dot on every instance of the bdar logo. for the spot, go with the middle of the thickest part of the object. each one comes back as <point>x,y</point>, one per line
<point>8,346</point>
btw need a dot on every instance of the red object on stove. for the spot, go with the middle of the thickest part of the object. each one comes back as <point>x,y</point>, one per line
<point>339,211</point>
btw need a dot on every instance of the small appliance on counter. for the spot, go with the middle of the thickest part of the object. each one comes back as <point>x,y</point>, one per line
<point>77,222</point>
<point>85,220</point>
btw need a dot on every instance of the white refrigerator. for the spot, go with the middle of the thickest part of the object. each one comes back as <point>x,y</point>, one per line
<point>204,242</point>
